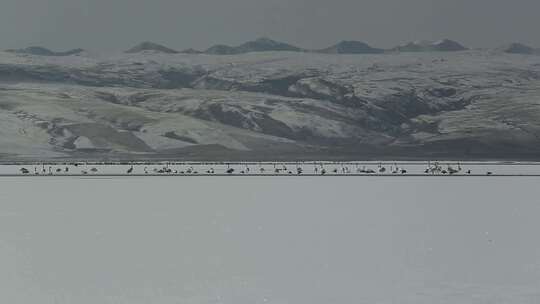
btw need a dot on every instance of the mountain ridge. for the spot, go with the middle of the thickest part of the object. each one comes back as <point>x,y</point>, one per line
<point>444,45</point>
<point>351,47</point>
<point>265,44</point>
<point>518,48</point>
<point>150,46</point>
<point>42,51</point>
<point>259,45</point>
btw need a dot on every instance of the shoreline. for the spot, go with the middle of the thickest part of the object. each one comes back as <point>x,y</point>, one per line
<point>259,169</point>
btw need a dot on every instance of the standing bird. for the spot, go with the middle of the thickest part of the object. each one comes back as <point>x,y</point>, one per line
<point>130,170</point>
<point>451,170</point>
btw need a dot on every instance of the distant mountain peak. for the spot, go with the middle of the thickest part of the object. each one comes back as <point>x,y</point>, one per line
<point>443,45</point>
<point>351,47</point>
<point>448,45</point>
<point>42,51</point>
<point>262,44</point>
<point>518,48</point>
<point>265,40</point>
<point>151,46</point>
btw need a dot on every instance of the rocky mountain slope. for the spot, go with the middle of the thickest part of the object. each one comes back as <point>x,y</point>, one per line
<point>271,105</point>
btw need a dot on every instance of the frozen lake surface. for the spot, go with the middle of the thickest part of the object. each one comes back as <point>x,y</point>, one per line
<point>417,240</point>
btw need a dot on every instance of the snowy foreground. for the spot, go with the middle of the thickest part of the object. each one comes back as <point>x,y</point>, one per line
<point>244,240</point>
<point>319,168</point>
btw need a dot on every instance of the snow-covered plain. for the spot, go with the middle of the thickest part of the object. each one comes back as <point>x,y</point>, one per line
<point>161,240</point>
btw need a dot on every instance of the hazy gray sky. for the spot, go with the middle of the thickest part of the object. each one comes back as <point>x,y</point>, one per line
<point>118,24</point>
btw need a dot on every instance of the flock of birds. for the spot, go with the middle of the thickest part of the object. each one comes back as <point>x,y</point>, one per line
<point>434,168</point>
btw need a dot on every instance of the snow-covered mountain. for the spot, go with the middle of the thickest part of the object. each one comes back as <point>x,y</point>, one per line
<point>351,47</point>
<point>151,47</point>
<point>444,45</point>
<point>270,105</point>
<point>258,45</point>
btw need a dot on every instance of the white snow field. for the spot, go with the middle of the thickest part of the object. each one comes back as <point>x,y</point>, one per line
<point>244,240</point>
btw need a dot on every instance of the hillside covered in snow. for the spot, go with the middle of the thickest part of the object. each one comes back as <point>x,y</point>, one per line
<point>283,104</point>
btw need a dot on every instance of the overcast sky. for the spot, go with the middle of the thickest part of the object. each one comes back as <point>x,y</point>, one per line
<point>118,24</point>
